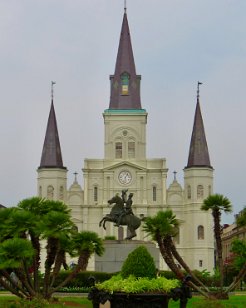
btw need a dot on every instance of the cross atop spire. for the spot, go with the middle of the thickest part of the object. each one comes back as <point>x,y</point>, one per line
<point>125,6</point>
<point>52,90</point>
<point>75,177</point>
<point>198,89</point>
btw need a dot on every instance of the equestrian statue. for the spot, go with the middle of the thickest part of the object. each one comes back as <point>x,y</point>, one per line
<point>121,214</point>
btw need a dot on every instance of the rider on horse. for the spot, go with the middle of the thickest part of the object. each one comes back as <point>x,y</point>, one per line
<point>127,210</point>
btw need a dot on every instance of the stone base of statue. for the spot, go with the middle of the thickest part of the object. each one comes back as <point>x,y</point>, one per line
<point>116,253</point>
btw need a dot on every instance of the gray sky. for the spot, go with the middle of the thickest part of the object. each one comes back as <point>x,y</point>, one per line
<point>75,42</point>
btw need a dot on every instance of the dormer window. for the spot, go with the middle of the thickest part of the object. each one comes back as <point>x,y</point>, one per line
<point>125,83</point>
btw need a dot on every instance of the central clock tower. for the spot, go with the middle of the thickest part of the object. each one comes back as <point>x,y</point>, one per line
<point>124,165</point>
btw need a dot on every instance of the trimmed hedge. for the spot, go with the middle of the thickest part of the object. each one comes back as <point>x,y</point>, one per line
<point>82,278</point>
<point>167,274</point>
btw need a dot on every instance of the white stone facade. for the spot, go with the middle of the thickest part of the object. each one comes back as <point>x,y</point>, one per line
<point>125,166</point>
<point>146,179</point>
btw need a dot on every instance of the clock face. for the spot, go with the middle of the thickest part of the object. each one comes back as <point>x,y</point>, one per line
<point>125,177</point>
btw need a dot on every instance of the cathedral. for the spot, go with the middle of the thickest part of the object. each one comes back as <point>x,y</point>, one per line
<point>126,167</point>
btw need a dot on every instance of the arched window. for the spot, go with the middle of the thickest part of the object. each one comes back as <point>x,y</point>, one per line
<point>125,83</point>
<point>40,191</point>
<point>200,232</point>
<point>199,192</point>
<point>154,193</point>
<point>61,193</point>
<point>95,193</point>
<point>188,192</point>
<point>118,150</point>
<point>131,149</point>
<point>50,192</point>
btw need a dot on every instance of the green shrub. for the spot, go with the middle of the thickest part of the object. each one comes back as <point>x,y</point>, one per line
<point>210,280</point>
<point>132,284</point>
<point>167,274</point>
<point>81,279</point>
<point>110,238</point>
<point>139,263</point>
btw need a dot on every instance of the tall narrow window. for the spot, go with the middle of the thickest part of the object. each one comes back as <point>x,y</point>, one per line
<point>40,191</point>
<point>50,192</point>
<point>131,149</point>
<point>200,263</point>
<point>188,192</point>
<point>61,193</point>
<point>118,150</point>
<point>199,192</point>
<point>209,190</point>
<point>95,193</point>
<point>154,193</point>
<point>125,84</point>
<point>200,232</point>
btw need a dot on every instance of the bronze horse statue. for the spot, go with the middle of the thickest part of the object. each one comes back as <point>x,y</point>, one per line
<point>120,216</point>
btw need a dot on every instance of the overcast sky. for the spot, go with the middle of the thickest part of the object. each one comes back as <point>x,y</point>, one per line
<point>75,42</point>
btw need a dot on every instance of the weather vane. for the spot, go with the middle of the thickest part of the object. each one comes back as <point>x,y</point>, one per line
<point>52,89</point>
<point>125,6</point>
<point>198,89</point>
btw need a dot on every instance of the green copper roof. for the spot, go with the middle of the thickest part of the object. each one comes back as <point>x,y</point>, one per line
<point>115,111</point>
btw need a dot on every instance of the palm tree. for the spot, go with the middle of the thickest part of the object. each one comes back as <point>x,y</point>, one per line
<point>241,218</point>
<point>21,231</point>
<point>162,228</point>
<point>55,226</point>
<point>237,246</point>
<point>216,204</point>
<point>15,253</point>
<point>85,243</point>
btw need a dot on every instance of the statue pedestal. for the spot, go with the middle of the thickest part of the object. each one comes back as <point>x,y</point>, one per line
<point>116,253</point>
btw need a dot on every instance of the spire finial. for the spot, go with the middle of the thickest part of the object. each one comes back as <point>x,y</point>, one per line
<point>52,89</point>
<point>175,173</point>
<point>198,89</point>
<point>125,6</point>
<point>75,177</point>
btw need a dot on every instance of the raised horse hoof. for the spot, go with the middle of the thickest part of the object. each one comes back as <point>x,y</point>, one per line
<point>129,238</point>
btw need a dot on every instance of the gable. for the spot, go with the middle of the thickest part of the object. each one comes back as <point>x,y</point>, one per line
<point>124,164</point>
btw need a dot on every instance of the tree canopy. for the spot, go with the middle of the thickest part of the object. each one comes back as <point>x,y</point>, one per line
<point>23,230</point>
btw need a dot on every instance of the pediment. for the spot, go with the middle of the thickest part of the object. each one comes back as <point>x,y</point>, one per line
<point>124,164</point>
<point>76,220</point>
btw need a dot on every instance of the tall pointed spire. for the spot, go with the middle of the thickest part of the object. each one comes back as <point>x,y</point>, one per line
<point>125,84</point>
<point>198,154</point>
<point>51,154</point>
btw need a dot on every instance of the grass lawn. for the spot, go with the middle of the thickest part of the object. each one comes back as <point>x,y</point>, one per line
<point>69,302</point>
<point>235,301</point>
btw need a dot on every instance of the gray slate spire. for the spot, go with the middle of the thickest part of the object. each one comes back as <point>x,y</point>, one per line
<point>198,154</point>
<point>125,84</point>
<point>51,154</point>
